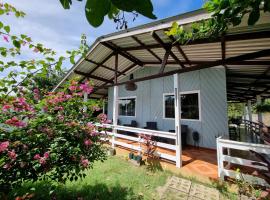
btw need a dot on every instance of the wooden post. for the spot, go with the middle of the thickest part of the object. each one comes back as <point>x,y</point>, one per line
<point>115,102</point>
<point>249,111</point>
<point>177,108</point>
<point>259,101</point>
<point>115,113</point>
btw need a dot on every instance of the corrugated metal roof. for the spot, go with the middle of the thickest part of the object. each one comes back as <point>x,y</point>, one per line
<point>100,61</point>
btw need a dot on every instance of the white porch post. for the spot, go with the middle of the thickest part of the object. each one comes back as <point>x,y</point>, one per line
<point>249,111</point>
<point>177,109</point>
<point>85,99</point>
<point>115,112</point>
<point>259,101</point>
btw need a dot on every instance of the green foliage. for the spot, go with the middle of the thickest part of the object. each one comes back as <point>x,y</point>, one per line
<point>263,107</point>
<point>96,10</point>
<point>225,13</point>
<point>235,110</point>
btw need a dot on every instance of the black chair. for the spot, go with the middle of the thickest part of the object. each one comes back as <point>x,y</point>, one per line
<point>196,138</point>
<point>151,125</point>
<point>132,124</point>
<point>184,132</point>
<point>233,133</point>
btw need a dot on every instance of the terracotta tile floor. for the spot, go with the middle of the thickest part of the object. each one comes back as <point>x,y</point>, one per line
<point>198,162</point>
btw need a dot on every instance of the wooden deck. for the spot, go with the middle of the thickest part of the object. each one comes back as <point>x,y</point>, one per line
<point>196,162</point>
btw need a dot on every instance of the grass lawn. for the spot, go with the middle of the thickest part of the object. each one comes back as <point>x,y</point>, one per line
<point>116,178</point>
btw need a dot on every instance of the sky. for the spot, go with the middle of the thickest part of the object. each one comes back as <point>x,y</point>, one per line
<point>48,23</point>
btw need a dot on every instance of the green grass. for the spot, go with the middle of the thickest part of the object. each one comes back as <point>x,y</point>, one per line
<point>114,179</point>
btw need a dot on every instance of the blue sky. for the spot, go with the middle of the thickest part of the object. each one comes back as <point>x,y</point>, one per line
<point>48,23</point>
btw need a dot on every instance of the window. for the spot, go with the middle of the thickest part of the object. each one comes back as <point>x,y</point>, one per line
<point>168,106</point>
<point>190,105</point>
<point>127,106</point>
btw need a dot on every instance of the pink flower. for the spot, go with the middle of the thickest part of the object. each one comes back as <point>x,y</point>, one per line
<point>72,87</point>
<point>36,50</point>
<point>88,142</point>
<point>46,155</point>
<point>6,108</point>
<point>12,155</point>
<point>85,163</point>
<point>4,146</point>
<point>37,157</point>
<point>96,108</point>
<point>42,161</point>
<point>86,87</point>
<point>5,38</point>
<point>102,118</point>
<point>90,125</point>
<point>61,117</point>
<point>7,166</point>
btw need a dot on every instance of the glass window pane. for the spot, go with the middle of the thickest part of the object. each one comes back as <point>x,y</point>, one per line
<point>190,106</point>
<point>169,106</point>
<point>127,107</point>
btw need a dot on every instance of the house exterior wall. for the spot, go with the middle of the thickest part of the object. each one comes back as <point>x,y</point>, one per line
<point>149,102</point>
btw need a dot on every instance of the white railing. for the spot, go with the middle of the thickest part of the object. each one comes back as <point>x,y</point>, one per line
<point>139,140</point>
<point>229,145</point>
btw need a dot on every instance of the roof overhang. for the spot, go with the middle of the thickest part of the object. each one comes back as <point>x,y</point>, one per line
<point>244,51</point>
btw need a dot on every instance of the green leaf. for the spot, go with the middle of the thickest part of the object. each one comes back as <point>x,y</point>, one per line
<point>253,16</point>
<point>95,10</point>
<point>1,25</point>
<point>113,12</point>
<point>143,7</point>
<point>66,3</point>
<point>17,44</point>
<point>72,60</point>
<point>7,29</point>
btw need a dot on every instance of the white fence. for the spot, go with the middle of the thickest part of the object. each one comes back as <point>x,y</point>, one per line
<point>229,145</point>
<point>139,140</point>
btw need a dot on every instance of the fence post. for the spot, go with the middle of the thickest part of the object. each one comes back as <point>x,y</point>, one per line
<point>115,113</point>
<point>177,109</point>
<point>220,159</point>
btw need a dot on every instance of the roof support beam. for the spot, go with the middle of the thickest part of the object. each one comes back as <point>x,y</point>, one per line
<point>253,55</point>
<point>250,76</point>
<point>195,62</point>
<point>167,48</point>
<point>105,60</point>
<point>93,77</point>
<point>148,49</point>
<point>177,45</point>
<point>123,53</point>
<point>116,68</point>
<point>234,37</point>
<point>102,65</point>
<point>164,61</point>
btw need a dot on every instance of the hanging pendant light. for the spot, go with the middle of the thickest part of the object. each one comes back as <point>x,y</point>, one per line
<point>131,86</point>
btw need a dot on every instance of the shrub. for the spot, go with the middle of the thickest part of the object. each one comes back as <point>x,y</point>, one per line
<point>50,138</point>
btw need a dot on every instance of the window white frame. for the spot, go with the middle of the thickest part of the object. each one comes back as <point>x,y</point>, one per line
<point>164,116</point>
<point>184,92</point>
<point>129,97</point>
<point>199,101</point>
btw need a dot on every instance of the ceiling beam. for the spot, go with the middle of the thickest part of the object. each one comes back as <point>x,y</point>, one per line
<point>93,77</point>
<point>252,55</point>
<point>167,48</point>
<point>180,50</point>
<point>105,60</point>
<point>248,76</point>
<point>148,49</point>
<point>164,61</point>
<point>230,37</point>
<point>102,65</point>
<point>122,52</point>
<point>195,62</point>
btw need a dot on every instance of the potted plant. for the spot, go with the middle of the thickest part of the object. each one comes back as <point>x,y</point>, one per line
<point>111,151</point>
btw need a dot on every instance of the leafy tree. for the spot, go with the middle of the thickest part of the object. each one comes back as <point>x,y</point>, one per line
<point>96,10</point>
<point>225,13</point>
<point>235,110</point>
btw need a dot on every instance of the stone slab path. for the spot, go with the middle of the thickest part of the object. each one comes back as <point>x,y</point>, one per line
<point>181,189</point>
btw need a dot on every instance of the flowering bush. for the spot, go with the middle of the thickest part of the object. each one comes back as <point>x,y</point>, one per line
<point>49,138</point>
